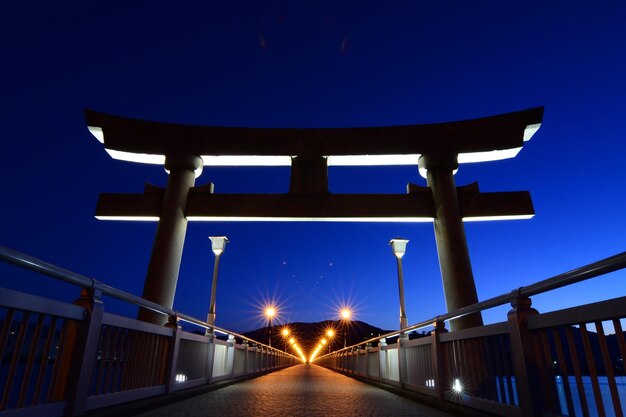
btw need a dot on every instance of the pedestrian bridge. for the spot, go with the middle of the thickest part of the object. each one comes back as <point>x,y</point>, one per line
<point>72,359</point>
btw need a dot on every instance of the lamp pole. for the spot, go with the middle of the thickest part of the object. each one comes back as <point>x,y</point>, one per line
<point>270,312</point>
<point>398,247</point>
<point>345,315</point>
<point>218,243</point>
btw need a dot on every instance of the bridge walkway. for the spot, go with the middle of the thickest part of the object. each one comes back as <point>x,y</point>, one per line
<point>297,391</point>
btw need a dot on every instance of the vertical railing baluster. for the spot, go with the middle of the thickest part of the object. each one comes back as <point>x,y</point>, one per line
<point>608,369</point>
<point>619,335</point>
<point>6,332</point>
<point>439,364</point>
<point>101,364</point>
<point>17,352</point>
<point>571,345</point>
<point>32,352</point>
<point>593,374</point>
<point>499,367</point>
<point>556,336</point>
<point>125,365</point>
<point>505,346</point>
<point>45,360</point>
<point>53,394</point>
<point>548,378</point>
<point>490,370</point>
<point>113,359</point>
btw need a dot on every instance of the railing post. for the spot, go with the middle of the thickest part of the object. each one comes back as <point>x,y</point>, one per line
<point>256,360</point>
<point>368,347</point>
<point>245,357</point>
<point>210,363</point>
<point>382,357</point>
<point>230,356</point>
<point>80,355</point>
<point>172,355</point>
<point>402,366</point>
<point>531,373</point>
<point>437,355</point>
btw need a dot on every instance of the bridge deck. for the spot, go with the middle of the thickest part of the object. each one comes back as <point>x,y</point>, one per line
<point>297,391</point>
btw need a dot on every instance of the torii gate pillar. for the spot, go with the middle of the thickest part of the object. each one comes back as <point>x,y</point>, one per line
<point>456,270</point>
<point>167,251</point>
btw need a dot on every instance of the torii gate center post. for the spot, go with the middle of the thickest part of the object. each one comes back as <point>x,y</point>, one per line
<point>436,149</point>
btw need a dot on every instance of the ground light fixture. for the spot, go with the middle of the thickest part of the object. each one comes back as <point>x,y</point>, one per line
<point>218,243</point>
<point>398,246</point>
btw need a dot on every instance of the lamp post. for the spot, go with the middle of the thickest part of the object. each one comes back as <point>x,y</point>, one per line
<point>285,333</point>
<point>345,316</point>
<point>398,246</point>
<point>270,312</point>
<point>218,243</point>
<point>330,333</point>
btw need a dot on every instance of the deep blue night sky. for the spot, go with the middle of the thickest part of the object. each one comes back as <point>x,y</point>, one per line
<point>314,64</point>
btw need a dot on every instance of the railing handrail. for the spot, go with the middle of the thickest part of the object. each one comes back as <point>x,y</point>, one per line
<point>592,270</point>
<point>45,268</point>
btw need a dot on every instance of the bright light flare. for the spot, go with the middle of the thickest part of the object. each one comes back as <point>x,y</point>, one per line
<point>315,352</point>
<point>330,333</point>
<point>346,313</point>
<point>270,312</point>
<point>292,341</point>
<point>323,341</point>
<point>285,331</point>
<point>456,386</point>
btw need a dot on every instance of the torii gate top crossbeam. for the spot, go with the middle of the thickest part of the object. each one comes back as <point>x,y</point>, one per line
<point>483,139</point>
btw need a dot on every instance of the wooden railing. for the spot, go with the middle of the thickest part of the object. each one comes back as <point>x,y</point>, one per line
<point>65,359</point>
<point>532,364</point>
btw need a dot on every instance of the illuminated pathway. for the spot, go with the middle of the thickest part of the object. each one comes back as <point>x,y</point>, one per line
<point>298,391</point>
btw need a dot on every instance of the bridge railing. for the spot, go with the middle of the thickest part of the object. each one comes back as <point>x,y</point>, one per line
<point>59,359</point>
<point>567,362</point>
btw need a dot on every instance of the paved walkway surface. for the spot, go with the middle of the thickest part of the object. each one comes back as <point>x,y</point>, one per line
<point>297,391</point>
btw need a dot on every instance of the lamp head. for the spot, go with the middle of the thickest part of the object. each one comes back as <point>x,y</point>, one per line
<point>398,246</point>
<point>218,243</point>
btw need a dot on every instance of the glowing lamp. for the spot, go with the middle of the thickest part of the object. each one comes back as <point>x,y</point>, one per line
<point>398,246</point>
<point>218,243</point>
<point>456,386</point>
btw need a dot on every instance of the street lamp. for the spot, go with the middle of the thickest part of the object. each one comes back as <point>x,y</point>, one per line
<point>330,334</point>
<point>285,333</point>
<point>398,246</point>
<point>270,312</point>
<point>218,243</point>
<point>345,316</point>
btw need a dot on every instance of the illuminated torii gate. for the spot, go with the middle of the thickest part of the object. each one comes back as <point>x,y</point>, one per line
<point>437,149</point>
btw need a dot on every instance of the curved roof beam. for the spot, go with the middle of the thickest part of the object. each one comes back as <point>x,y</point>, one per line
<point>476,140</point>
